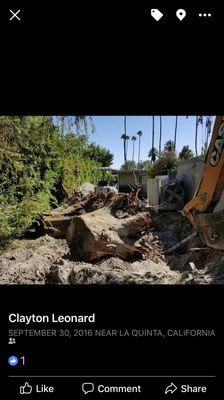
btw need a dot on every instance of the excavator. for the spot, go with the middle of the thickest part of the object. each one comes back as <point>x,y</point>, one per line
<point>200,210</point>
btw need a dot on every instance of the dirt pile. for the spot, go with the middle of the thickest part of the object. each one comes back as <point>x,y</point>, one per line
<point>31,261</point>
<point>47,261</point>
<point>111,271</point>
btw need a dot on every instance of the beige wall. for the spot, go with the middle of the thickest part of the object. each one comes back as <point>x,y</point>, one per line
<point>154,188</point>
<point>190,172</point>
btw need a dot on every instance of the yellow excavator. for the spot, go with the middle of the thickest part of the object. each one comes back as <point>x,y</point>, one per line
<point>199,210</point>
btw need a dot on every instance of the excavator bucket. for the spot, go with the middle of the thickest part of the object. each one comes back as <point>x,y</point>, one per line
<point>212,227</point>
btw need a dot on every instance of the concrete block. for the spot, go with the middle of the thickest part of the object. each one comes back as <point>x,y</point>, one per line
<point>154,188</point>
<point>190,173</point>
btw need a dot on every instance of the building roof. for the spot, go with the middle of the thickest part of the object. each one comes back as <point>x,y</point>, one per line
<point>112,170</point>
<point>136,171</point>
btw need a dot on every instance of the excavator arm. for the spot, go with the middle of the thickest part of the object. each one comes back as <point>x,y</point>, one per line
<point>199,210</point>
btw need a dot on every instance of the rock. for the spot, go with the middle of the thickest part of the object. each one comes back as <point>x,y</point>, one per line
<point>106,189</point>
<point>85,189</point>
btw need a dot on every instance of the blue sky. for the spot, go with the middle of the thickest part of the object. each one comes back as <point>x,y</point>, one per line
<point>110,128</point>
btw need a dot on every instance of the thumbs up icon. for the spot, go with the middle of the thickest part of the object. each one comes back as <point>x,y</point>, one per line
<point>26,389</point>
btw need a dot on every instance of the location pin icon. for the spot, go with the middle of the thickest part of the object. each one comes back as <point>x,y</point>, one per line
<point>181,14</point>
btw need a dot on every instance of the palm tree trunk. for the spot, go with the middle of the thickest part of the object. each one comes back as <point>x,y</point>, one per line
<point>125,133</point>
<point>160,133</point>
<point>175,133</point>
<point>133,151</point>
<point>139,146</point>
<point>124,151</point>
<point>125,145</point>
<point>153,135</point>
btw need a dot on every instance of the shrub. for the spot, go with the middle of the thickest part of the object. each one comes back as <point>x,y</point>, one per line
<point>165,163</point>
<point>39,166</point>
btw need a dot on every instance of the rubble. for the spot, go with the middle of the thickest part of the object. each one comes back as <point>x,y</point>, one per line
<point>47,260</point>
<point>111,239</point>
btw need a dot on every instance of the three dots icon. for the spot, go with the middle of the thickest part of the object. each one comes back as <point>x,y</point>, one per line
<point>205,15</point>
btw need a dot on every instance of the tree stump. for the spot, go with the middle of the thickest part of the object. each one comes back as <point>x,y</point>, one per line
<point>98,234</point>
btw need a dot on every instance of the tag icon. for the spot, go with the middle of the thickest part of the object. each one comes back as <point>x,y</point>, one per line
<point>156,14</point>
<point>181,14</point>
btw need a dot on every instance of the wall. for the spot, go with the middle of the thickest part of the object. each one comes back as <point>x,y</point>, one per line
<point>154,187</point>
<point>190,172</point>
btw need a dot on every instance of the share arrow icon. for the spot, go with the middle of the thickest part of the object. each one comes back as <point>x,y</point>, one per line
<point>171,388</point>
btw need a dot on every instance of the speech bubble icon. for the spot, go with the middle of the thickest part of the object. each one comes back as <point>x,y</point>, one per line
<point>87,387</point>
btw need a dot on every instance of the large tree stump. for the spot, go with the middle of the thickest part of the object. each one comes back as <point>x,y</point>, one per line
<point>98,233</point>
<point>56,222</point>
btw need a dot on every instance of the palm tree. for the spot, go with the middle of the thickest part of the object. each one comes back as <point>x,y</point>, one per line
<point>160,133</point>
<point>123,137</point>
<point>175,133</point>
<point>169,145</point>
<point>133,148</point>
<point>153,154</point>
<point>127,139</point>
<point>139,133</point>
